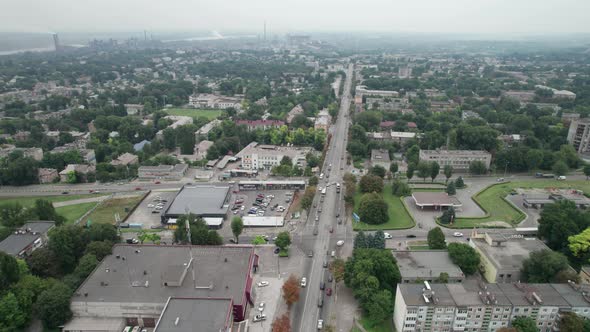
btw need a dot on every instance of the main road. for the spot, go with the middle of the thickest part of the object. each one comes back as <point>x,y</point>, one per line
<point>316,236</point>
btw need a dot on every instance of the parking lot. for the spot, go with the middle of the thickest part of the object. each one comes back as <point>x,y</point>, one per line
<point>270,202</point>
<point>144,213</point>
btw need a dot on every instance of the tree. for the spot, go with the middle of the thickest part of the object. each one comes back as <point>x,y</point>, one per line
<point>12,315</point>
<point>477,167</point>
<point>13,215</point>
<point>103,232</point>
<point>448,216</point>
<point>283,240</point>
<point>360,240</point>
<point>443,278</point>
<point>86,265</point>
<point>542,266</point>
<point>100,249</point>
<point>393,167</point>
<point>423,170</point>
<point>434,170</point>
<point>373,209</point>
<point>380,306</point>
<point>560,168</point>
<point>436,239</point>
<point>308,196</point>
<point>68,243</point>
<point>9,272</point>
<point>464,256</point>
<point>286,161</point>
<point>400,189</point>
<point>44,210</point>
<point>337,269</point>
<point>459,183</point>
<point>561,220</point>
<point>44,263</point>
<point>291,290</point>
<point>237,226</point>
<point>258,239</point>
<point>571,322</point>
<point>451,188</point>
<point>524,324</point>
<point>313,181</point>
<point>378,240</point>
<point>371,183</point>
<point>378,170</point>
<point>53,305</point>
<point>587,170</point>
<point>282,324</point>
<point>448,171</point>
<point>148,236</point>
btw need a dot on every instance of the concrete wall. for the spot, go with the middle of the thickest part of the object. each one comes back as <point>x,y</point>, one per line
<point>116,309</point>
<point>399,311</point>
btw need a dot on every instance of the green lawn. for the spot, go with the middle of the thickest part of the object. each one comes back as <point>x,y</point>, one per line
<point>30,200</point>
<point>74,212</point>
<point>105,213</point>
<point>399,217</point>
<point>492,200</point>
<point>194,113</point>
<point>418,245</point>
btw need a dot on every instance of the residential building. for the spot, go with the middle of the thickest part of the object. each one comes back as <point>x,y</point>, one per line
<point>125,159</point>
<point>578,135</point>
<point>511,139</point>
<point>387,104</point>
<point>392,136</point>
<point>139,146</point>
<point>521,96</point>
<point>323,121</point>
<point>88,155</point>
<point>205,100</point>
<point>361,90</point>
<point>458,159</point>
<point>35,153</point>
<point>297,110</point>
<point>260,124</point>
<point>478,307</point>
<point>502,256</point>
<point>567,118</point>
<point>82,172</point>
<point>22,136</point>
<point>162,172</point>
<point>426,265</point>
<point>202,148</point>
<point>437,106</point>
<point>380,157</point>
<point>259,156</point>
<point>466,115</point>
<point>27,239</point>
<point>391,124</point>
<point>149,286</point>
<point>204,130</point>
<point>133,109</point>
<point>558,93</point>
<point>47,175</point>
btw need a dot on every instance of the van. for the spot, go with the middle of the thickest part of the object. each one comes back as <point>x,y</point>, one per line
<point>561,178</point>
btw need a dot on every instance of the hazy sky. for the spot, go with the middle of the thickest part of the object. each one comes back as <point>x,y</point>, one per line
<point>464,16</point>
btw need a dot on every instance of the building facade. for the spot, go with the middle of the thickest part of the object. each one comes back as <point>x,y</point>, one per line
<point>163,172</point>
<point>458,159</point>
<point>578,135</point>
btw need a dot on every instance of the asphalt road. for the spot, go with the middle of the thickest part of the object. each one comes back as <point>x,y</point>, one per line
<point>306,312</point>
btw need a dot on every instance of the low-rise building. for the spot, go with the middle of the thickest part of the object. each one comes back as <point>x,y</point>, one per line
<point>133,109</point>
<point>426,265</point>
<point>380,157</point>
<point>458,159</point>
<point>297,110</point>
<point>88,155</point>
<point>27,239</point>
<point>202,148</point>
<point>125,159</point>
<point>260,124</point>
<point>205,100</point>
<point>259,156</point>
<point>361,90</point>
<point>521,96</point>
<point>162,172</point>
<point>47,175</point>
<point>323,121</point>
<point>204,130</point>
<point>564,94</point>
<point>392,136</point>
<point>81,171</point>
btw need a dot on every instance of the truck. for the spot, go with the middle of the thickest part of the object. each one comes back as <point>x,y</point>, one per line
<point>337,187</point>
<point>544,175</point>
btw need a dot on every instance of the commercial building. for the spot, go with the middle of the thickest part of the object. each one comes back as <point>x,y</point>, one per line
<point>145,285</point>
<point>474,307</point>
<point>458,159</point>
<point>201,200</point>
<point>426,265</point>
<point>27,239</point>
<point>205,100</point>
<point>437,200</point>
<point>162,172</point>
<point>502,256</point>
<point>259,156</point>
<point>380,157</point>
<point>399,137</point>
<point>578,135</point>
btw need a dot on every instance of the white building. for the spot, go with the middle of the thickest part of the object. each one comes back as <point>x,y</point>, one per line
<point>258,156</point>
<point>458,159</point>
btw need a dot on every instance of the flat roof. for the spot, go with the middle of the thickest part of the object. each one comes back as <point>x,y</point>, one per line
<point>455,152</point>
<point>186,314</point>
<point>435,199</point>
<point>251,221</point>
<point>141,274</point>
<point>19,240</point>
<point>94,324</point>
<point>200,200</point>
<point>424,264</point>
<point>511,253</point>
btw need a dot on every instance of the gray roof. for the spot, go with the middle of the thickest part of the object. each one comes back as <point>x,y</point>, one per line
<point>139,146</point>
<point>512,253</point>
<point>200,200</point>
<point>141,273</point>
<point>208,314</point>
<point>425,264</point>
<point>18,241</point>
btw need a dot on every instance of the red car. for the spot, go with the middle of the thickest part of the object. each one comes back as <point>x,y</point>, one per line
<point>137,188</point>
<point>329,291</point>
<point>157,182</point>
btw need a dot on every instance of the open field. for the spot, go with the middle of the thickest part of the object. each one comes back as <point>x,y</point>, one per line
<point>399,217</point>
<point>74,212</point>
<point>105,213</point>
<point>30,200</point>
<point>492,201</point>
<point>194,113</point>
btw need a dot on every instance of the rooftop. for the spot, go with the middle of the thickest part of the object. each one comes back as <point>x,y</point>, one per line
<point>200,200</point>
<point>425,264</point>
<point>456,152</point>
<point>184,314</point>
<point>510,252</point>
<point>380,155</point>
<point>18,241</point>
<point>435,199</point>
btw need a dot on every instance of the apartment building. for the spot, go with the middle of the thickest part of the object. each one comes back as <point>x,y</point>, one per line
<point>458,159</point>
<point>473,306</point>
<point>578,135</point>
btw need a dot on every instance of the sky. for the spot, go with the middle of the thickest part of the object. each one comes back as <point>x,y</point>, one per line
<point>283,16</point>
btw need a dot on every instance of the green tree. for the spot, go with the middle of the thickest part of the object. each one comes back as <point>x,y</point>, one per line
<point>13,215</point>
<point>560,168</point>
<point>464,256</point>
<point>100,249</point>
<point>524,324</point>
<point>380,306</point>
<point>68,243</point>
<point>542,266</point>
<point>448,171</point>
<point>258,239</point>
<point>12,315</point>
<point>9,271</point>
<point>373,209</point>
<point>571,322</point>
<point>286,161</point>
<point>477,167</point>
<point>423,170</point>
<point>459,183</point>
<point>307,198</point>
<point>72,177</point>
<point>53,305</point>
<point>587,170</point>
<point>448,216</point>
<point>559,221</point>
<point>451,188</point>
<point>148,236</point>
<point>283,240</point>
<point>378,171</point>
<point>45,263</point>
<point>86,265</point>
<point>434,170</point>
<point>400,189</point>
<point>410,171</point>
<point>313,181</point>
<point>436,239</point>
<point>237,226</point>
<point>393,167</point>
<point>103,232</point>
<point>44,210</point>
<point>371,183</point>
<point>443,278</point>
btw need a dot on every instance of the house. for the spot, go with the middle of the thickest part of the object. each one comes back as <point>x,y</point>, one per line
<point>22,136</point>
<point>83,171</point>
<point>47,175</point>
<point>133,109</point>
<point>139,146</point>
<point>27,239</point>
<point>125,159</point>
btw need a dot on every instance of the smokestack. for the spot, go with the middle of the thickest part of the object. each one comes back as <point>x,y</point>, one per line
<point>56,42</point>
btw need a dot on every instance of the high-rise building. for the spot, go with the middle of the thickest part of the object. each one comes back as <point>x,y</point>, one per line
<point>56,42</point>
<point>579,135</point>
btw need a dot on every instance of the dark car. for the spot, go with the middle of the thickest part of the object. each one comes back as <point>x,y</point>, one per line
<point>322,285</point>
<point>277,249</point>
<point>329,291</point>
<point>325,264</point>
<point>65,193</point>
<point>411,236</point>
<point>233,241</point>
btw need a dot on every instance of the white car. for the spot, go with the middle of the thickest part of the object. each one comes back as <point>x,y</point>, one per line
<point>388,236</point>
<point>259,318</point>
<point>458,234</point>
<point>261,306</point>
<point>320,324</point>
<point>242,208</point>
<point>340,243</point>
<point>150,205</point>
<point>303,282</point>
<point>263,283</point>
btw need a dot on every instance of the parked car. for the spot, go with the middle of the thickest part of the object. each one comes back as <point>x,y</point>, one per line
<point>263,283</point>
<point>137,188</point>
<point>329,291</point>
<point>261,306</point>
<point>330,278</point>
<point>303,282</point>
<point>320,324</point>
<point>331,229</point>
<point>259,318</point>
<point>411,236</point>
<point>310,254</point>
<point>322,285</point>
<point>340,243</point>
<point>458,234</point>
<point>388,236</point>
<point>277,249</point>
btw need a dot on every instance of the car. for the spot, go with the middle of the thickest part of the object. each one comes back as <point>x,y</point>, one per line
<point>317,218</point>
<point>325,265</point>
<point>561,178</point>
<point>157,227</point>
<point>411,236</point>
<point>259,318</point>
<point>261,306</point>
<point>329,291</point>
<point>157,182</point>
<point>333,254</point>
<point>233,240</point>
<point>155,211</point>
<point>330,278</point>
<point>388,236</point>
<point>340,243</point>
<point>320,209</point>
<point>320,324</point>
<point>263,283</point>
<point>132,241</point>
<point>150,205</point>
<point>65,193</point>
<point>303,282</point>
<point>287,200</point>
<point>239,201</point>
<point>500,180</point>
<point>331,229</point>
<point>339,221</point>
<point>315,205</point>
<point>137,188</point>
<point>242,208</point>
<point>458,234</point>
<point>337,214</point>
<point>315,231</point>
<point>91,191</point>
<point>322,285</point>
<point>277,249</point>
<point>310,254</point>
<point>320,301</point>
